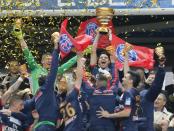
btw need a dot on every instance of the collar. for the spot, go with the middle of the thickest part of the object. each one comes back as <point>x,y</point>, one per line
<point>107,68</point>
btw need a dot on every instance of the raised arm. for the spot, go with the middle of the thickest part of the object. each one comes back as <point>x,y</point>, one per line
<point>80,71</point>
<point>11,90</point>
<point>54,64</point>
<point>32,64</point>
<point>126,57</point>
<point>113,68</point>
<point>93,59</point>
<point>157,84</point>
<point>50,80</point>
<point>63,68</point>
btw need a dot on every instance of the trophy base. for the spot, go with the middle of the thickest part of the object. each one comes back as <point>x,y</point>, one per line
<point>103,30</point>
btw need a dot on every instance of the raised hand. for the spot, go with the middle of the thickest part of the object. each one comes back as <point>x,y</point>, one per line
<point>17,31</point>
<point>55,37</point>
<point>159,51</point>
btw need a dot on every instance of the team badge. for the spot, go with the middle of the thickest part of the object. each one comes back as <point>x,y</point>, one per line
<point>90,29</point>
<point>65,43</point>
<point>132,54</point>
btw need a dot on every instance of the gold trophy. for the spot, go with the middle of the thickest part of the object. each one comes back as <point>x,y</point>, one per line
<point>17,24</point>
<point>104,16</point>
<point>159,50</point>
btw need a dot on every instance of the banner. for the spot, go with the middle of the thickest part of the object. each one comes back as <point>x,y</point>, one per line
<point>67,42</point>
<point>89,27</point>
<point>138,57</point>
<point>84,7</point>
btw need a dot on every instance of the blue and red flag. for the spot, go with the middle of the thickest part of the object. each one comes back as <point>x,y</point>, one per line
<point>67,41</point>
<point>139,56</point>
<point>89,27</point>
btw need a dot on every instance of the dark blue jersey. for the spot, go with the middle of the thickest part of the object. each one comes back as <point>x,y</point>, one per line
<point>45,101</point>
<point>71,112</point>
<point>97,98</point>
<point>148,97</point>
<point>29,106</point>
<point>15,122</point>
<point>128,100</point>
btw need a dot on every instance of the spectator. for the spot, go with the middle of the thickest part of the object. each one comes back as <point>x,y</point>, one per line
<point>170,94</point>
<point>13,119</point>
<point>160,104</point>
<point>148,95</point>
<point>171,124</point>
<point>13,73</point>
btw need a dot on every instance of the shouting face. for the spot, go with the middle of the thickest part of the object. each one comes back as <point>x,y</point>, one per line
<point>103,61</point>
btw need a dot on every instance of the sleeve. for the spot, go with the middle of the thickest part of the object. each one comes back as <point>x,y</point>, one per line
<point>127,100</point>
<point>49,86</point>
<point>32,64</point>
<point>114,80</point>
<point>67,65</point>
<point>156,87</point>
<point>29,105</point>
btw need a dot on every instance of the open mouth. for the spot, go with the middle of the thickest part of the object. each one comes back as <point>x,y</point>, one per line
<point>103,63</point>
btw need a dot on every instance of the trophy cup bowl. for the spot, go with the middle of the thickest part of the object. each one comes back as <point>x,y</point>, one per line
<point>159,50</point>
<point>104,16</point>
<point>18,24</point>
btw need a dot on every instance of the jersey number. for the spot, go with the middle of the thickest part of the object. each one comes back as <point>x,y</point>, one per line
<point>68,111</point>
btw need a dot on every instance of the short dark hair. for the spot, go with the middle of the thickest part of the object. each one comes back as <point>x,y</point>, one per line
<point>102,51</point>
<point>15,98</point>
<point>135,77</point>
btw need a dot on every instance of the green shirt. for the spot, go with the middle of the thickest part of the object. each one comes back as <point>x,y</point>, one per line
<point>37,70</point>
